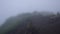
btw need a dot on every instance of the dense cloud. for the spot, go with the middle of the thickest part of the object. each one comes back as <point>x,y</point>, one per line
<point>12,7</point>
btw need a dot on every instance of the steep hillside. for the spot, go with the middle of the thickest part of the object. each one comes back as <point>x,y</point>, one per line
<point>32,23</point>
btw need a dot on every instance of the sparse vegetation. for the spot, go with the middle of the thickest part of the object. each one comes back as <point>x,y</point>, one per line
<point>32,23</point>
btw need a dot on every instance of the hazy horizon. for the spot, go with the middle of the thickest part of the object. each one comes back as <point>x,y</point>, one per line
<point>13,7</point>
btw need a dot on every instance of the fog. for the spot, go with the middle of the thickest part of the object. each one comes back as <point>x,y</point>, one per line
<point>13,7</point>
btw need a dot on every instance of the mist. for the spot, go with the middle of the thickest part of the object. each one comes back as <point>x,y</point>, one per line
<point>13,7</point>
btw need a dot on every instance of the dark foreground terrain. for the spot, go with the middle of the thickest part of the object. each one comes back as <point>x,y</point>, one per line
<point>32,23</point>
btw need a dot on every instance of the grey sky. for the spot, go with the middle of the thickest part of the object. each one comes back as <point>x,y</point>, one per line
<point>12,7</point>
